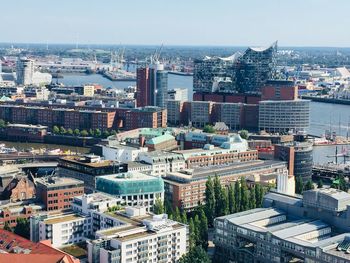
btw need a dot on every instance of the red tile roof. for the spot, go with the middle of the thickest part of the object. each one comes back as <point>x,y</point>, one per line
<point>19,247</point>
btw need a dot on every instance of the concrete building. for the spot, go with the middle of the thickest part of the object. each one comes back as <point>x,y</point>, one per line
<point>25,71</point>
<point>56,193</point>
<point>163,162</point>
<point>179,94</point>
<point>88,168</point>
<point>201,113</point>
<point>311,228</point>
<point>186,189</point>
<point>134,188</point>
<point>122,153</point>
<point>284,116</point>
<point>145,239</point>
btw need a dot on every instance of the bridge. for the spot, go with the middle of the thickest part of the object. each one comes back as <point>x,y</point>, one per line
<point>329,172</point>
<point>29,156</point>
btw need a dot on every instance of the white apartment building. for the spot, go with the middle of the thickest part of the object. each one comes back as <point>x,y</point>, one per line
<point>122,153</point>
<point>163,162</point>
<point>62,229</point>
<point>147,239</point>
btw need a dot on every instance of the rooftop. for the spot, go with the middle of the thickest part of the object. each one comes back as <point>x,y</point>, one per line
<point>134,175</point>
<point>62,219</point>
<point>203,173</point>
<point>58,181</point>
<point>86,160</point>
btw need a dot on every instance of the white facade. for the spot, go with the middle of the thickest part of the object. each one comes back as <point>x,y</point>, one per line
<point>180,94</point>
<point>41,78</point>
<point>65,229</point>
<point>285,183</point>
<point>158,239</point>
<point>163,162</point>
<point>122,153</point>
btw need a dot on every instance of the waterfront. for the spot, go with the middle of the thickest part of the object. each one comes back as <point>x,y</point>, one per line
<point>323,116</point>
<point>23,146</point>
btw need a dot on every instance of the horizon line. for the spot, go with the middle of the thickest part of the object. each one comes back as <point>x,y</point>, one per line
<point>164,45</point>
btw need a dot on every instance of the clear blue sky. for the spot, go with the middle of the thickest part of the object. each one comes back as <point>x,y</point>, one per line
<point>177,22</point>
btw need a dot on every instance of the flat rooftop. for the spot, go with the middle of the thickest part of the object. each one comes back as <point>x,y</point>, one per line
<point>222,170</point>
<point>134,175</point>
<point>83,161</point>
<point>62,219</point>
<point>58,181</point>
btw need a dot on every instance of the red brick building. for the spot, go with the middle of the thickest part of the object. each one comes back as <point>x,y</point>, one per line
<point>147,117</point>
<point>11,211</point>
<point>56,193</point>
<point>279,90</point>
<point>143,87</point>
<point>19,189</point>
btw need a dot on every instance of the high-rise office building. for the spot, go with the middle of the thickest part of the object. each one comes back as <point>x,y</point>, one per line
<point>152,86</point>
<point>239,73</point>
<point>25,71</point>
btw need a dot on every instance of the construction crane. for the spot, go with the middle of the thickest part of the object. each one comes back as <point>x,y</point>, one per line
<point>156,55</point>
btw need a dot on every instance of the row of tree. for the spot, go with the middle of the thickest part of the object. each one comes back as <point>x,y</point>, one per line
<point>97,133</point>
<point>22,227</point>
<point>220,201</point>
<point>196,220</point>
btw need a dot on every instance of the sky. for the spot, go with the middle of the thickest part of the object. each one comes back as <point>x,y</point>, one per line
<point>177,22</point>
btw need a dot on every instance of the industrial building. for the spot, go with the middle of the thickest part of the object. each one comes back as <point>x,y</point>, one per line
<point>309,228</point>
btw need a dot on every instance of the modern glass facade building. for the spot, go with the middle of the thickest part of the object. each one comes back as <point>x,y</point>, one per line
<point>239,73</point>
<point>134,188</point>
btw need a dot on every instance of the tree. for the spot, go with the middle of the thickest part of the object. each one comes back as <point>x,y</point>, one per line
<point>252,200</point>
<point>97,133</point>
<point>259,195</point>
<point>105,134</point>
<point>62,131</point>
<point>210,201</point>
<point>158,207</point>
<point>2,123</point>
<point>222,202</point>
<point>217,195</point>
<point>244,134</point>
<point>244,195</point>
<point>197,224</point>
<point>113,132</point>
<point>231,199</point>
<point>192,233</point>
<point>70,131</point>
<point>340,183</point>
<point>22,228</point>
<point>320,184</point>
<point>184,217</point>
<point>56,130</point>
<point>177,215</point>
<point>84,133</point>
<point>203,228</point>
<point>299,185</point>
<point>195,255</point>
<point>7,226</point>
<point>237,192</point>
<point>309,185</point>
<point>209,129</point>
<point>91,132</point>
<point>76,132</point>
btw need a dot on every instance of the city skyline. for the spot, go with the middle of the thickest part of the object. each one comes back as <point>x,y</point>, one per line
<point>223,23</point>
